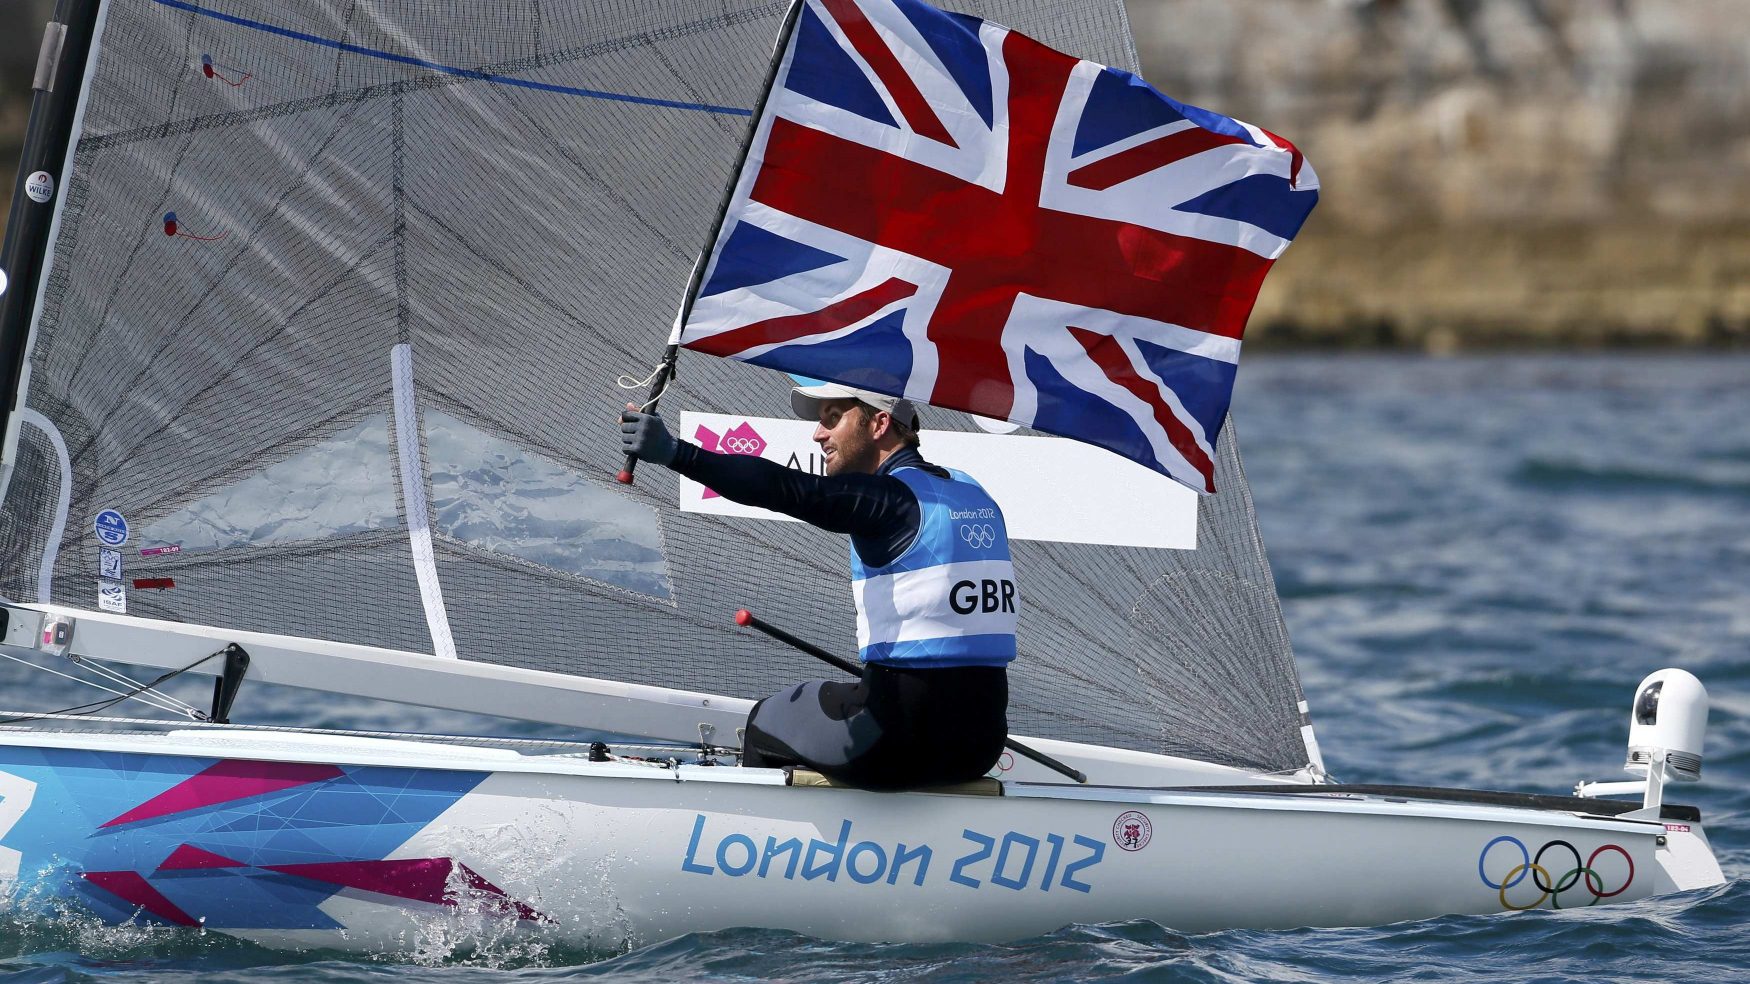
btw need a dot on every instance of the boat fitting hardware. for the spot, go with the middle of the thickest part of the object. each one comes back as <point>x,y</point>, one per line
<point>55,634</point>
<point>48,57</point>
<point>1666,730</point>
<point>225,687</point>
<point>22,626</point>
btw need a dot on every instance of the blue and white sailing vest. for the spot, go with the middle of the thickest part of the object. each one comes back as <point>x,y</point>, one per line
<point>949,599</point>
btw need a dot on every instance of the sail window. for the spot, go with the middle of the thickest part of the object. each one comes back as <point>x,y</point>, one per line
<point>343,484</point>
<point>489,493</point>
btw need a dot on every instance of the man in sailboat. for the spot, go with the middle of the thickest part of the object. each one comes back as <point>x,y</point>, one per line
<point>934,588</point>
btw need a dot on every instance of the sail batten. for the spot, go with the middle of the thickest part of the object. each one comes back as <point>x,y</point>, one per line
<point>219,378</point>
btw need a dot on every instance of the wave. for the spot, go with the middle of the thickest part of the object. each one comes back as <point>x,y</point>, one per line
<point>1570,476</point>
<point>1649,940</point>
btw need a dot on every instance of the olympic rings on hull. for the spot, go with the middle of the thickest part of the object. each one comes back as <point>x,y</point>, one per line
<point>1550,887</point>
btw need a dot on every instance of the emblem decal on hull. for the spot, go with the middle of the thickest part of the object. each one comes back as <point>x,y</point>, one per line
<point>1578,874</point>
<point>433,881</point>
<point>224,782</point>
<point>16,792</point>
<point>234,843</point>
<point>1132,830</point>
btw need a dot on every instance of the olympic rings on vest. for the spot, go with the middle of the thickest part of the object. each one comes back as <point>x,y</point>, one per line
<point>1548,886</point>
<point>980,536</point>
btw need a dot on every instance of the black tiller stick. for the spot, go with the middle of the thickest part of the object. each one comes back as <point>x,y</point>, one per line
<point>747,618</point>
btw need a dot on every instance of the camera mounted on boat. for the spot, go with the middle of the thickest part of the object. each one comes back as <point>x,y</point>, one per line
<point>1668,725</point>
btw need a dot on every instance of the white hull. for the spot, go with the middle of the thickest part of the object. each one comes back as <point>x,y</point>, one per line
<point>611,853</point>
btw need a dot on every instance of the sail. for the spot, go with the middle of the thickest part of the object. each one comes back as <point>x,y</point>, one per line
<point>337,293</point>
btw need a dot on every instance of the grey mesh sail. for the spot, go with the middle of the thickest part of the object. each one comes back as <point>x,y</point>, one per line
<point>339,292</point>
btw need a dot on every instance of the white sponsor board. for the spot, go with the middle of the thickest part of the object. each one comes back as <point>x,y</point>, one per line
<point>1049,488</point>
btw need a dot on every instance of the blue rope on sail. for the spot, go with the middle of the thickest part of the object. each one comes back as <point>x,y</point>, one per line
<point>466,73</point>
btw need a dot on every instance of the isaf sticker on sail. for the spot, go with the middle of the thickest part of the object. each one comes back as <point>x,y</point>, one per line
<point>112,596</point>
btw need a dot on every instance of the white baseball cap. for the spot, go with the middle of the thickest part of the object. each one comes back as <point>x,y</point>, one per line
<point>806,400</point>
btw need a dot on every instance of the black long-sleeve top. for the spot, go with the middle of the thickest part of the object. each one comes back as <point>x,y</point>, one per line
<point>880,512</point>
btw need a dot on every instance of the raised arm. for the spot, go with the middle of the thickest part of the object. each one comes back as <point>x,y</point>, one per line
<point>879,509</point>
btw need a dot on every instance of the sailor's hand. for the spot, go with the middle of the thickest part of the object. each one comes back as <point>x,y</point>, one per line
<point>645,435</point>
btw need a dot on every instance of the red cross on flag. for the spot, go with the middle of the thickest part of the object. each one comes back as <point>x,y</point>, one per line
<point>938,207</point>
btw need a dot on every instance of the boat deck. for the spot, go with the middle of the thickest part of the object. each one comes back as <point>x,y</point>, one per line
<point>1437,794</point>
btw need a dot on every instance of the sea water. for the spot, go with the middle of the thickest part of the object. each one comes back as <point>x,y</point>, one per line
<point>1479,558</point>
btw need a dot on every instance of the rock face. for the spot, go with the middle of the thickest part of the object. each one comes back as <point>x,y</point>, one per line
<point>1493,171</point>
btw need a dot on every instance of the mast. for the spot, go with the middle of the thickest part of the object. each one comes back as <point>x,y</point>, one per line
<point>60,76</point>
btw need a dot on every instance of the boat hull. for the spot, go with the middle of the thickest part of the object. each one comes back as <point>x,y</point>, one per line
<point>356,846</point>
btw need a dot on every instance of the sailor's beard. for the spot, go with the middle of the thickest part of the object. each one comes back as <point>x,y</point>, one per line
<point>852,454</point>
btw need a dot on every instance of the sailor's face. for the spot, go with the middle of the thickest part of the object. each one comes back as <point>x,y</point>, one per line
<point>846,437</point>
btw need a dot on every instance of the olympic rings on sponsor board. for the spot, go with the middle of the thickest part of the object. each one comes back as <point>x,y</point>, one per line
<point>743,445</point>
<point>1550,887</point>
<point>979,536</point>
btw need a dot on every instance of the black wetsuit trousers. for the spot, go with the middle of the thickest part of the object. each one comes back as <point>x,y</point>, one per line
<point>896,728</point>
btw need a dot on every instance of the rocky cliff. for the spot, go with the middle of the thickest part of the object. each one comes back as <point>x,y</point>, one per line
<point>1493,171</point>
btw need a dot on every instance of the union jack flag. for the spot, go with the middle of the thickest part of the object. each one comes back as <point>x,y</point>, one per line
<point>938,207</point>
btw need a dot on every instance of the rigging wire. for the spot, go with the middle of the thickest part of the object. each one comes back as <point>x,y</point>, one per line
<point>197,719</point>
<point>151,699</point>
<point>173,703</point>
<point>82,710</point>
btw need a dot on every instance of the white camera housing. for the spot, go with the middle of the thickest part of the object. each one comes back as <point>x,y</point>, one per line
<point>1669,723</point>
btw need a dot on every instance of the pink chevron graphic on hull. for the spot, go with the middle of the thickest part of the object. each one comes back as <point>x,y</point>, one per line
<point>418,879</point>
<point>226,781</point>
<point>188,857</point>
<point>131,887</point>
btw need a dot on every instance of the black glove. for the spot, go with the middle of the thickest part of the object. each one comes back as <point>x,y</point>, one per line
<point>645,435</point>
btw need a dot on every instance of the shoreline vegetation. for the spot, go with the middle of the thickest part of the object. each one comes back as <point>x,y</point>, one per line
<point>1495,174</point>
<point>1562,287</point>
